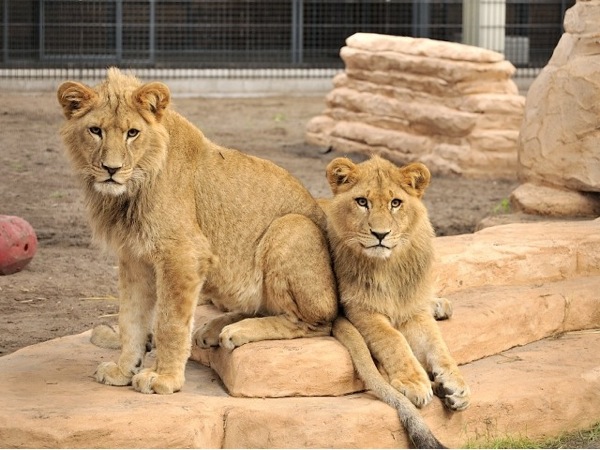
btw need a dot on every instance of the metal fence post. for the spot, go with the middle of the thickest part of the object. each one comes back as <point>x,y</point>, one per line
<point>420,18</point>
<point>484,23</point>
<point>152,32</point>
<point>297,31</point>
<point>5,32</point>
<point>119,30</point>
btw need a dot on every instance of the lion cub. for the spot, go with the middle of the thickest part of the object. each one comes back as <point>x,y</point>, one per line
<point>189,218</point>
<point>381,240</point>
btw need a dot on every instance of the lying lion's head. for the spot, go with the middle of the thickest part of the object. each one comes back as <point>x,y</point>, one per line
<point>113,132</point>
<point>377,206</point>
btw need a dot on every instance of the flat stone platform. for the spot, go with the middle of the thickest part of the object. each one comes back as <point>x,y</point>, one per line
<point>525,327</point>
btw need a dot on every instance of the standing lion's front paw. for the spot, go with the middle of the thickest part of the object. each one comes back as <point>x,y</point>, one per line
<point>150,382</point>
<point>453,391</point>
<point>110,373</point>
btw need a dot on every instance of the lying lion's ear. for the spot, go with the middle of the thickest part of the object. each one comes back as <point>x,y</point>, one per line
<point>75,98</point>
<point>416,177</point>
<point>153,97</point>
<point>341,174</point>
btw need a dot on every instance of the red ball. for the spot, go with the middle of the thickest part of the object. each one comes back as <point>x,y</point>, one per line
<point>18,244</point>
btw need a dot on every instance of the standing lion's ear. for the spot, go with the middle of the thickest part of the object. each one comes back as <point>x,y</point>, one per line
<point>75,98</point>
<point>153,97</point>
<point>341,174</point>
<point>416,177</point>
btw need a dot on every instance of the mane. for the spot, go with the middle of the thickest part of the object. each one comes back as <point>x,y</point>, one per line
<point>116,220</point>
<point>117,88</point>
<point>407,267</point>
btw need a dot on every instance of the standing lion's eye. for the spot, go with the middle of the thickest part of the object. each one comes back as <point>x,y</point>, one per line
<point>96,130</point>
<point>396,203</point>
<point>362,202</point>
<point>132,133</point>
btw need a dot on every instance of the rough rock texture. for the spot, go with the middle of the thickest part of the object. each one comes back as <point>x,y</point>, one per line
<point>532,198</point>
<point>50,400</point>
<point>452,106</point>
<point>514,285</point>
<point>558,142</point>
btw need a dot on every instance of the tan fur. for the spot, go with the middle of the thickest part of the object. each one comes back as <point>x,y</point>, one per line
<point>188,218</point>
<point>381,240</point>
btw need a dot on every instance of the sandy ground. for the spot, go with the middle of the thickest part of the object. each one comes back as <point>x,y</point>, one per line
<point>70,285</point>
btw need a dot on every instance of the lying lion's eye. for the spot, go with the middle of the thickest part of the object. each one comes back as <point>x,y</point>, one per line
<point>96,130</point>
<point>395,203</point>
<point>362,202</point>
<point>133,133</point>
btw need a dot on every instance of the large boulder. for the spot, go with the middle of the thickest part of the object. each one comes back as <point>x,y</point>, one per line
<point>559,151</point>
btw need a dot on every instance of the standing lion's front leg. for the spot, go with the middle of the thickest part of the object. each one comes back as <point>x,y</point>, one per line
<point>180,272</point>
<point>137,296</point>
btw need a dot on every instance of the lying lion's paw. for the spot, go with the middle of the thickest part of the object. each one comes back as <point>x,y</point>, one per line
<point>418,391</point>
<point>150,382</point>
<point>207,336</point>
<point>453,391</point>
<point>233,336</point>
<point>110,373</point>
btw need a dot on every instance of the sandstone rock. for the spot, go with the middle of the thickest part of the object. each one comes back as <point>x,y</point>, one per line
<point>510,285</point>
<point>533,198</point>
<point>422,47</point>
<point>415,99</point>
<point>518,254</point>
<point>558,143</point>
<point>49,399</point>
<point>297,367</point>
<point>502,317</point>
<point>543,276</point>
<point>449,71</point>
<point>322,367</point>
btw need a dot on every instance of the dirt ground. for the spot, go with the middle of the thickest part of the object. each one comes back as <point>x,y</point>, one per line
<point>70,285</point>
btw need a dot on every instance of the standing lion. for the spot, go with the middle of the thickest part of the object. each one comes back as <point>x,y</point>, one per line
<point>186,218</point>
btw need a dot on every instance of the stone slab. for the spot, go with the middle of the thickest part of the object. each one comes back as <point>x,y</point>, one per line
<point>510,285</point>
<point>422,47</point>
<point>497,318</point>
<point>533,198</point>
<point>49,399</point>
<point>502,317</point>
<point>518,254</point>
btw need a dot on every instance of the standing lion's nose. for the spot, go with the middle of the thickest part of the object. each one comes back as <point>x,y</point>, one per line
<point>111,170</point>
<point>380,235</point>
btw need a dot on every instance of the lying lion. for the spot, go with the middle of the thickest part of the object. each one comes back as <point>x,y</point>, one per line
<point>188,218</point>
<point>382,244</point>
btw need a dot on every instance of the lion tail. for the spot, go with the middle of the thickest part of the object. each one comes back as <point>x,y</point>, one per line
<point>416,428</point>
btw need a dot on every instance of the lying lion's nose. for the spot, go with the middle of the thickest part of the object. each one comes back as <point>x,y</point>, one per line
<point>111,170</point>
<point>380,235</point>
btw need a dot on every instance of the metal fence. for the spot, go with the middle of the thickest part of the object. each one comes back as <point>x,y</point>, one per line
<point>243,34</point>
